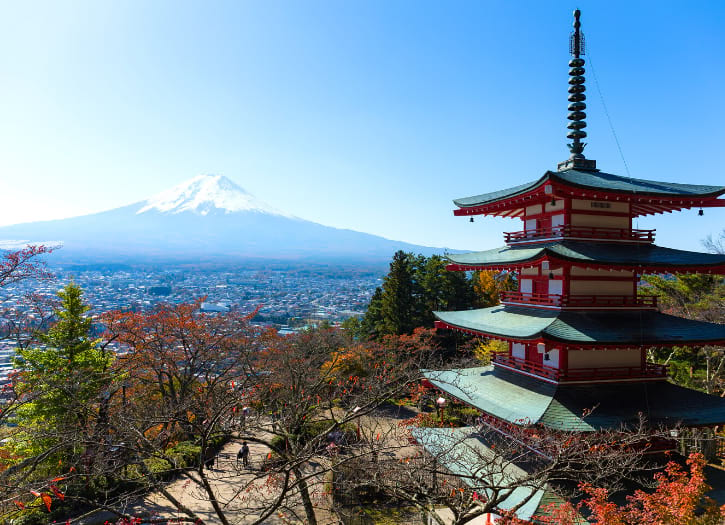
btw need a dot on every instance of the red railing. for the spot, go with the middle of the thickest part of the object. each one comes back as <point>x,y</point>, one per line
<point>580,232</point>
<point>527,366</point>
<point>650,370</point>
<point>579,301</point>
<point>610,301</point>
<point>539,299</point>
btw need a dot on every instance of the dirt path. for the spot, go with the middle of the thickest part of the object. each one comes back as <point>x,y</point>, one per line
<point>242,493</point>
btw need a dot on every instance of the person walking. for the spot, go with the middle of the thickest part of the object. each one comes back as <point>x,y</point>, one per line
<point>243,454</point>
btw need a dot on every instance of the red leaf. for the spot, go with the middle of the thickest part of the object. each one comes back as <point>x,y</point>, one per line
<point>20,504</point>
<point>57,492</point>
<point>47,500</point>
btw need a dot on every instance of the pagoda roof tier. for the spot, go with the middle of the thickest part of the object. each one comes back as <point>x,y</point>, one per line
<point>583,329</point>
<point>637,257</point>
<point>647,196</point>
<point>526,401</point>
<point>463,452</point>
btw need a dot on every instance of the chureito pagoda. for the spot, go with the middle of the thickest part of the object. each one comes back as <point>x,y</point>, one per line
<point>577,329</point>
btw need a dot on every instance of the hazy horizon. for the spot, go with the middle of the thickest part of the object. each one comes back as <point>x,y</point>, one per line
<point>364,116</point>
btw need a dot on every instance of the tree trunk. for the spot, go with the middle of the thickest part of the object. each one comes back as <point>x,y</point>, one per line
<point>212,496</point>
<point>306,500</point>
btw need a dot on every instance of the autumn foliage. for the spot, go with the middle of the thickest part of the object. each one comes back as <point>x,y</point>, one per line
<point>679,499</point>
<point>23,264</point>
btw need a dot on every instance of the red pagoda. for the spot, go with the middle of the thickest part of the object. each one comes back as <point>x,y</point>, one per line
<point>577,329</point>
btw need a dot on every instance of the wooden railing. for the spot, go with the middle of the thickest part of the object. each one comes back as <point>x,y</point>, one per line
<point>650,370</point>
<point>580,232</point>
<point>536,299</point>
<point>610,301</point>
<point>527,366</point>
<point>579,301</point>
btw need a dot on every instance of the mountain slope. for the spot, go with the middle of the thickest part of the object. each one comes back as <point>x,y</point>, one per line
<point>208,218</point>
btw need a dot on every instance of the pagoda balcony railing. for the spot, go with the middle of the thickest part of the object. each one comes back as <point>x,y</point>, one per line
<point>608,373</point>
<point>580,232</point>
<point>579,301</point>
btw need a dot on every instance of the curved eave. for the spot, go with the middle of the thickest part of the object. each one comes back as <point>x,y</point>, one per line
<point>636,187</point>
<point>580,330</point>
<point>617,257</point>
<point>639,268</point>
<point>524,401</point>
<point>510,202</point>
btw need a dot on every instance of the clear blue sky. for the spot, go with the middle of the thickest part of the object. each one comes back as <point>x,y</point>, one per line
<point>370,115</point>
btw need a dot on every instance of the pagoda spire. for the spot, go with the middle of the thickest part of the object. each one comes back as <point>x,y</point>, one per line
<point>576,103</point>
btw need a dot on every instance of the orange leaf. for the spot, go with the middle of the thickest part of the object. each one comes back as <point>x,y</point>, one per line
<point>59,478</point>
<point>47,500</point>
<point>35,493</point>
<point>20,504</point>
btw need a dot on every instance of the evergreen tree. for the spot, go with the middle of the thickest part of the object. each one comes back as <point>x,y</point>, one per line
<point>414,288</point>
<point>398,306</point>
<point>440,289</point>
<point>63,380</point>
<point>372,320</point>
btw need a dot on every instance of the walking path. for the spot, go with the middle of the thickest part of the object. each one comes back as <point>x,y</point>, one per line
<point>241,491</point>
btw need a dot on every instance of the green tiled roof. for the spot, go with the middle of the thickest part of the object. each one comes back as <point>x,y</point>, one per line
<point>463,453</point>
<point>522,400</point>
<point>604,253</point>
<point>585,327</point>
<point>598,180</point>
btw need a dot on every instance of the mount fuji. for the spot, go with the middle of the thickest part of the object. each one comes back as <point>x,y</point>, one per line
<point>205,219</point>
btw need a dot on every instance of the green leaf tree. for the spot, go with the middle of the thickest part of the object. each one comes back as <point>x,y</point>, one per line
<point>441,289</point>
<point>694,296</point>
<point>414,287</point>
<point>398,306</point>
<point>65,381</point>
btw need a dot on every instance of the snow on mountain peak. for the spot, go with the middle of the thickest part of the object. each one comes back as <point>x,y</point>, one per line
<point>205,193</point>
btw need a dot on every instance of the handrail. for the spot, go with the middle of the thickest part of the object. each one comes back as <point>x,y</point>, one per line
<point>531,298</point>
<point>579,301</point>
<point>527,366</point>
<point>649,370</point>
<point>586,232</point>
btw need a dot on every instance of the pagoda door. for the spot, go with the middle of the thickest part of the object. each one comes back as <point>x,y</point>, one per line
<point>540,287</point>
<point>533,355</point>
<point>544,224</point>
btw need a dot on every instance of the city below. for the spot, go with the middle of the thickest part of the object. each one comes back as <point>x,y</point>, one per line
<point>289,295</point>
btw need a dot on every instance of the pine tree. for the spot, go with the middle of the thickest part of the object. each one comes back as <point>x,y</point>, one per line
<point>63,380</point>
<point>398,305</point>
<point>440,289</point>
<point>414,288</point>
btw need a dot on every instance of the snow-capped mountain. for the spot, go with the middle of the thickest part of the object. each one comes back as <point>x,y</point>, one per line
<point>207,218</point>
<point>204,194</point>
